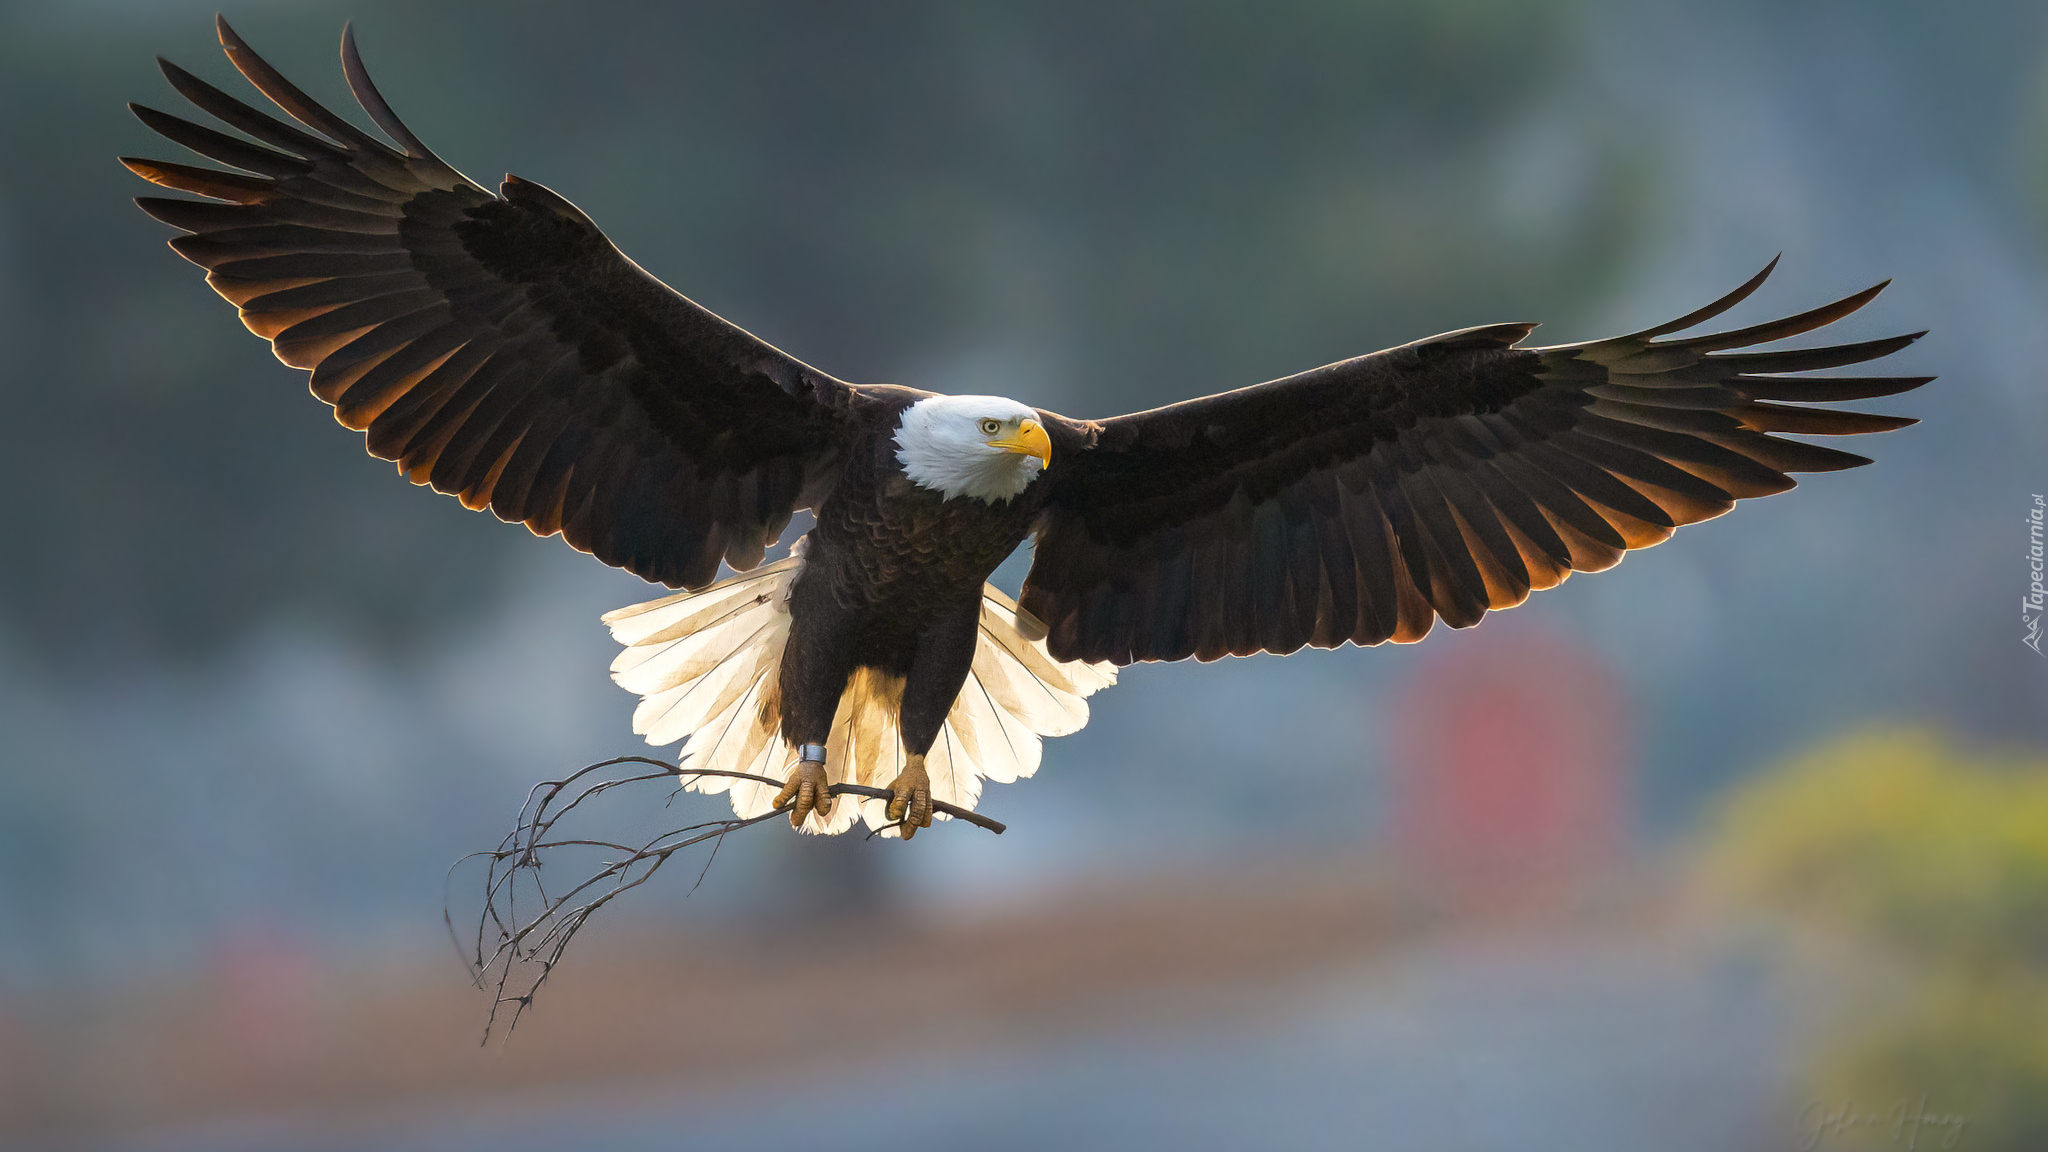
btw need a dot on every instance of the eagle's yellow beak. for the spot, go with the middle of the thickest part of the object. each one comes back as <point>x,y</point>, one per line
<point>1030,440</point>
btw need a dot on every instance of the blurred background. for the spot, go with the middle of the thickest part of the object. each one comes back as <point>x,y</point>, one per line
<point>1741,845</point>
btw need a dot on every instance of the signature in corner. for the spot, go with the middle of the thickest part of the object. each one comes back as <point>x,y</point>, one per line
<point>1908,1120</point>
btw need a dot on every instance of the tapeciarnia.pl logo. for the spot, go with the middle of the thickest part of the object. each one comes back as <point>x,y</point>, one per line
<point>2032,604</point>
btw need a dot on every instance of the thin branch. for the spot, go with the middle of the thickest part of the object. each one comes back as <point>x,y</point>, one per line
<point>516,934</point>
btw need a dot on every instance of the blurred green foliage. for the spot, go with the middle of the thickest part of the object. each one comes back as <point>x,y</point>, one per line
<point>1931,862</point>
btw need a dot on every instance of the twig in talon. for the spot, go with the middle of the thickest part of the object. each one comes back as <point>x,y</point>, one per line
<point>953,810</point>
<point>863,790</point>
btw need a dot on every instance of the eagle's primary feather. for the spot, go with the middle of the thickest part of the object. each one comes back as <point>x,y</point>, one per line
<point>499,348</point>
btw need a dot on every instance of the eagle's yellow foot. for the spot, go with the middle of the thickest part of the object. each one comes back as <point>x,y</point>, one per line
<point>910,798</point>
<point>808,787</point>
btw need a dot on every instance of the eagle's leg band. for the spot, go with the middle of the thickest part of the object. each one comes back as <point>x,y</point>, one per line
<point>811,753</point>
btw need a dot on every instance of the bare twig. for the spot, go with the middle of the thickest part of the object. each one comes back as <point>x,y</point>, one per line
<point>531,936</point>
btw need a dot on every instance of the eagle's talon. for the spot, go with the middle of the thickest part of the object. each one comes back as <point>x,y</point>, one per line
<point>809,789</point>
<point>910,799</point>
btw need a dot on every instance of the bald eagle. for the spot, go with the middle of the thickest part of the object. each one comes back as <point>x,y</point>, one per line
<point>499,348</point>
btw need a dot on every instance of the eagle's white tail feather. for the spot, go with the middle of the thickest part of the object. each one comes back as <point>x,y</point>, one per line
<point>705,665</point>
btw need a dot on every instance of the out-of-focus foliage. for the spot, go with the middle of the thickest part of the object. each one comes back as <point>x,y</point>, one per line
<point>1930,863</point>
<point>1942,854</point>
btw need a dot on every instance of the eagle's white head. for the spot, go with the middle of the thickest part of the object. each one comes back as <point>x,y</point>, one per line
<point>986,447</point>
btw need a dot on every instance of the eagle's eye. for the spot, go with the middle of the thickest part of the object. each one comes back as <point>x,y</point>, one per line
<point>990,427</point>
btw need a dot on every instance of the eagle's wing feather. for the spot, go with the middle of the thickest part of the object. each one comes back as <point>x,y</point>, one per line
<point>496,346</point>
<point>1361,501</point>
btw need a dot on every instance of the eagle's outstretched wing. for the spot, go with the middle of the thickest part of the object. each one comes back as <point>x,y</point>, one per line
<point>496,347</point>
<point>1360,501</point>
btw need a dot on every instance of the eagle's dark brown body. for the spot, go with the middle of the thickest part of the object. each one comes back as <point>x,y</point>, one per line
<point>892,581</point>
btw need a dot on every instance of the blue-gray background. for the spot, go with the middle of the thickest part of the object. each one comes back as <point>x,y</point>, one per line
<point>248,677</point>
